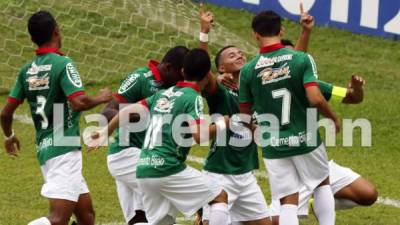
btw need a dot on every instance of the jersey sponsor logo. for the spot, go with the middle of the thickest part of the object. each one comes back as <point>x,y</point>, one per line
<point>35,69</point>
<point>73,75</point>
<point>164,105</point>
<point>292,141</point>
<point>128,83</point>
<point>38,83</point>
<point>271,75</point>
<point>266,62</point>
<point>45,143</point>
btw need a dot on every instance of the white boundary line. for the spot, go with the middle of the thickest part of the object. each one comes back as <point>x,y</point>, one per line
<point>260,174</point>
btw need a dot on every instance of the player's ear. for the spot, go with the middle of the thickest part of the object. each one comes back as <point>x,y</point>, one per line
<point>221,69</point>
<point>255,35</point>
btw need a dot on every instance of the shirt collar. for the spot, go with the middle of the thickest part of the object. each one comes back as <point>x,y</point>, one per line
<point>271,48</point>
<point>46,50</point>
<point>153,68</point>
<point>189,85</point>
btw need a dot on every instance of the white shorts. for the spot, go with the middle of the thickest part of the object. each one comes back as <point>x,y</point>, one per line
<point>63,177</point>
<point>186,191</point>
<point>122,167</point>
<point>246,201</point>
<point>339,177</point>
<point>288,175</point>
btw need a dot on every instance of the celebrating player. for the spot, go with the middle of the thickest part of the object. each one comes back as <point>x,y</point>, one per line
<point>231,165</point>
<point>283,82</point>
<point>52,78</point>
<point>167,183</point>
<point>122,158</point>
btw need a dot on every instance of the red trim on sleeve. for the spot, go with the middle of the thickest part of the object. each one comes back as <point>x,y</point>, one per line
<point>120,98</point>
<point>311,84</point>
<point>144,103</point>
<point>46,50</point>
<point>74,95</point>
<point>271,48</point>
<point>246,104</point>
<point>14,100</point>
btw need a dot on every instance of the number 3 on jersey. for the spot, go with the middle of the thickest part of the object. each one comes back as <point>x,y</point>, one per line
<point>41,103</point>
<point>286,99</point>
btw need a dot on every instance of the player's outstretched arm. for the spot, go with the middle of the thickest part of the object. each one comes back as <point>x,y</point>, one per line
<point>11,142</point>
<point>206,20</point>
<point>307,23</point>
<point>85,102</point>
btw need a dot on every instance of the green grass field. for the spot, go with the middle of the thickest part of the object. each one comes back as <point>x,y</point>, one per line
<point>107,43</point>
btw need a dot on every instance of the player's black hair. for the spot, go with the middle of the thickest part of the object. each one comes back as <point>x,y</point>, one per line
<point>41,26</point>
<point>196,65</point>
<point>287,42</point>
<point>218,56</point>
<point>175,56</point>
<point>267,23</point>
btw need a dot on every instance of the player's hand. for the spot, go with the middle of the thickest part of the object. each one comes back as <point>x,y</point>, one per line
<point>356,82</point>
<point>12,146</point>
<point>355,90</point>
<point>96,139</point>
<point>206,19</point>
<point>307,21</point>
<point>227,80</point>
<point>105,94</point>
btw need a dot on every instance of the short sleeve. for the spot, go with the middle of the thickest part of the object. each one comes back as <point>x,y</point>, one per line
<point>245,95</point>
<point>17,93</point>
<point>71,82</point>
<point>310,75</point>
<point>130,89</point>
<point>326,89</point>
<point>195,108</point>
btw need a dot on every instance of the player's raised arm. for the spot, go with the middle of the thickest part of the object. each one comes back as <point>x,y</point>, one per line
<point>206,20</point>
<point>307,23</point>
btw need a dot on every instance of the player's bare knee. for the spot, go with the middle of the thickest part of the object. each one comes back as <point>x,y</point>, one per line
<point>221,198</point>
<point>369,197</point>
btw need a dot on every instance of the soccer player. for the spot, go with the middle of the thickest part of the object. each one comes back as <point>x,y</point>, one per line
<point>122,158</point>
<point>283,83</point>
<point>52,78</point>
<point>167,183</point>
<point>229,164</point>
<point>349,188</point>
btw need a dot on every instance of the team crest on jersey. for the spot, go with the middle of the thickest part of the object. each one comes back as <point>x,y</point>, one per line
<point>270,75</point>
<point>73,75</point>
<point>38,83</point>
<point>35,69</point>
<point>266,62</point>
<point>128,83</point>
<point>164,105</point>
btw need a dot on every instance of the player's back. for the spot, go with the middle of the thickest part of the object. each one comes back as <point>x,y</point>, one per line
<point>162,154</point>
<point>49,81</point>
<point>277,79</point>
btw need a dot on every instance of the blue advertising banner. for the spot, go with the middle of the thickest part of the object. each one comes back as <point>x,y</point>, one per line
<point>372,17</point>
